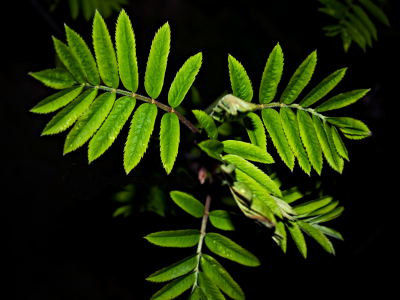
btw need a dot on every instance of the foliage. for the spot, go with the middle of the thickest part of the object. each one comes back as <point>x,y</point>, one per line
<point>354,23</point>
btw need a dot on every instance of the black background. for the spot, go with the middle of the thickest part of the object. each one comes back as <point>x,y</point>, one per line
<point>58,247</point>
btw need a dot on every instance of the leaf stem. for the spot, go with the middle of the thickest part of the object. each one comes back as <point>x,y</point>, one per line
<point>295,106</point>
<point>148,100</point>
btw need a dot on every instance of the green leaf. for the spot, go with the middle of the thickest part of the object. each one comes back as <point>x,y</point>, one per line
<point>299,79</point>
<point>176,270</point>
<point>74,8</point>
<point>224,247</point>
<point>88,8</point>
<point>247,151</point>
<point>83,55</point>
<point>126,53</point>
<point>339,161</point>
<point>157,62</point>
<point>316,235</point>
<point>292,194</point>
<point>207,122</point>
<point>142,126</point>
<point>197,294</point>
<point>213,148</point>
<point>169,140</point>
<point>221,277</point>
<point>326,217</point>
<point>178,238</point>
<point>69,60</point>
<point>252,171</point>
<point>340,147</point>
<point>346,40</point>
<point>310,140</point>
<point>345,122</point>
<point>89,122</point>
<point>323,88</point>
<point>376,11</point>
<point>285,208</point>
<point>272,121</point>
<point>57,100</point>
<point>105,54</point>
<point>188,203</point>
<point>297,237</point>
<point>355,35</point>
<point>255,130</point>
<point>208,287</point>
<point>112,126</point>
<point>54,78</point>
<point>328,231</point>
<point>354,134</point>
<point>123,210</point>
<point>360,28</point>
<point>175,288</point>
<point>361,14</point>
<point>271,75</point>
<point>240,81</point>
<point>221,219</point>
<point>66,117</point>
<point>291,128</point>
<point>282,242</point>
<point>325,209</point>
<point>184,80</point>
<point>326,146</point>
<point>313,205</point>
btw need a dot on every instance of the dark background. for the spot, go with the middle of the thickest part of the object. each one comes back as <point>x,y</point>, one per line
<point>60,247</point>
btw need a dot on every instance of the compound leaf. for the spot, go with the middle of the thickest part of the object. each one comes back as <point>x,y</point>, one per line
<point>54,78</point>
<point>208,287</point>
<point>213,269</point>
<point>299,79</point>
<point>341,100</point>
<point>184,80</point>
<point>207,122</point>
<point>224,247</point>
<point>188,203</point>
<point>169,140</point>
<point>142,126</point>
<point>240,81</point>
<point>313,205</point>
<point>298,237</point>
<point>247,151</point>
<point>291,128</point>
<point>83,55</point>
<point>272,121</point>
<point>105,54</point>
<point>66,117</point>
<point>175,270</point>
<point>178,238</point>
<point>213,148</point>
<point>323,88</point>
<point>272,75</point>
<point>376,11</point>
<point>89,122</point>
<point>157,62</point>
<point>175,288</point>
<point>310,140</point>
<point>57,100</point>
<point>340,147</point>
<point>221,219</point>
<point>316,235</point>
<point>255,130</point>
<point>126,53</point>
<point>112,126</point>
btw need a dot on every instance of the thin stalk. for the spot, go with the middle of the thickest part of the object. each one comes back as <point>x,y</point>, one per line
<point>148,100</point>
<point>295,106</point>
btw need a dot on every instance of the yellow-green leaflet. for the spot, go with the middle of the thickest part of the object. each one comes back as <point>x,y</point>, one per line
<point>175,270</point>
<point>184,80</point>
<point>126,53</point>
<point>212,147</point>
<point>142,126</point>
<point>175,288</point>
<point>247,151</point>
<point>271,75</point>
<point>83,55</point>
<point>89,122</point>
<point>317,235</point>
<point>54,78</point>
<point>272,122</point>
<point>221,219</point>
<point>207,123</point>
<point>313,205</point>
<point>169,140</point>
<point>109,131</point>
<point>339,161</point>
<point>341,100</point>
<point>340,147</point>
<point>105,54</point>
<point>57,100</point>
<point>226,248</point>
<point>240,81</point>
<point>297,237</point>
<point>209,289</point>
<point>291,128</point>
<point>255,130</point>
<point>213,269</point>
<point>66,117</point>
<point>280,229</point>
<point>299,79</point>
<point>69,60</point>
<point>178,238</point>
<point>157,62</point>
<point>188,203</point>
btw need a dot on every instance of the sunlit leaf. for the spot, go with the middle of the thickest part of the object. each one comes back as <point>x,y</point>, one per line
<point>175,270</point>
<point>178,238</point>
<point>188,203</point>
